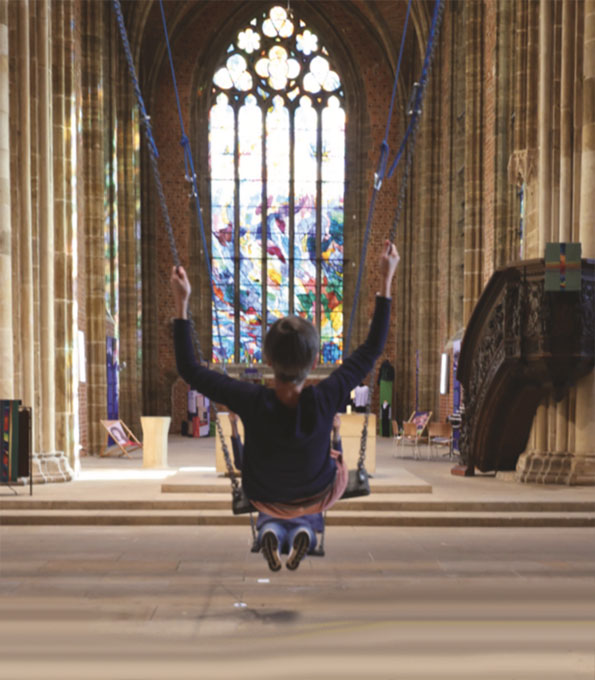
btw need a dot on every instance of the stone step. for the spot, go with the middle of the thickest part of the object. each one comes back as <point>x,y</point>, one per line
<point>222,501</point>
<point>336,517</point>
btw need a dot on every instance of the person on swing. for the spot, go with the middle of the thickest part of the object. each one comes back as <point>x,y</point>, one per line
<point>289,468</point>
<point>295,537</point>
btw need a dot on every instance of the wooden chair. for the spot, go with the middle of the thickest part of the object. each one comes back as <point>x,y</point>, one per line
<point>440,434</point>
<point>122,435</point>
<point>410,434</point>
<point>415,430</point>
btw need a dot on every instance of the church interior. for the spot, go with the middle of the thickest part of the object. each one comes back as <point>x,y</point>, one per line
<point>271,148</point>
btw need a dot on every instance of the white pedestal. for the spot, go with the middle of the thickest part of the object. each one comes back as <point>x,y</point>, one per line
<point>155,430</point>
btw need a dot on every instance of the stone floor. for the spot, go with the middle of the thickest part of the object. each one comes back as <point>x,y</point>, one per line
<point>124,603</point>
<point>152,602</point>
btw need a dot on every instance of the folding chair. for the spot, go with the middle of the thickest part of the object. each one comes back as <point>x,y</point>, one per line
<point>415,429</point>
<point>396,433</point>
<point>440,434</point>
<point>122,435</point>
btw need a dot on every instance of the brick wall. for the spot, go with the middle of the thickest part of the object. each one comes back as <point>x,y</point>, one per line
<point>351,42</point>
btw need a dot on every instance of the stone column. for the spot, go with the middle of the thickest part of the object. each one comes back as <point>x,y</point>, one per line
<point>545,122</point>
<point>46,232</point>
<point>93,84</point>
<point>544,179</point>
<point>26,329</point>
<point>559,412</point>
<point>52,465</point>
<point>62,81</point>
<point>130,397</point>
<point>472,277</point>
<point>7,388</point>
<point>583,465</point>
<point>562,448</point>
<point>427,274</point>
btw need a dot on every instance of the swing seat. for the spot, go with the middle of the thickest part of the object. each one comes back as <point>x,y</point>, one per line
<point>358,484</point>
<point>240,504</point>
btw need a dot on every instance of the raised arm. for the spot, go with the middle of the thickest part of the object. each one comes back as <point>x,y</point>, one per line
<point>235,394</point>
<point>181,289</point>
<point>354,369</point>
<point>389,261</point>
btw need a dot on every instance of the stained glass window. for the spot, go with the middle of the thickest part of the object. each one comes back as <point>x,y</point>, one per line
<point>277,181</point>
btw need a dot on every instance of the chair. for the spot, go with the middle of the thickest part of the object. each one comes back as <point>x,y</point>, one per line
<point>122,436</point>
<point>396,431</point>
<point>415,429</point>
<point>440,434</point>
<point>421,420</point>
<point>410,434</point>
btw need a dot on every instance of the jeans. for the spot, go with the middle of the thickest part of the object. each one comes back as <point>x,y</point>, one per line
<point>285,530</point>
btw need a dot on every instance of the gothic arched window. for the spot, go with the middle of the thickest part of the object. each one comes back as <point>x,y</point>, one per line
<point>277,164</point>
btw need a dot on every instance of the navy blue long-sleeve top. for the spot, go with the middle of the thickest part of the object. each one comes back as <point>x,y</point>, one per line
<point>286,450</point>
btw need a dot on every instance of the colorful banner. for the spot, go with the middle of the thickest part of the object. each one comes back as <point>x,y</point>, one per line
<point>9,433</point>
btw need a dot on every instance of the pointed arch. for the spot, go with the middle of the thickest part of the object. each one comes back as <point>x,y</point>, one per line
<point>276,122</point>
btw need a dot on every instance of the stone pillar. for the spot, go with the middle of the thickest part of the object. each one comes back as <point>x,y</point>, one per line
<point>583,465</point>
<point>51,465</point>
<point>562,446</point>
<point>93,84</point>
<point>62,106</point>
<point>46,232</point>
<point>427,245</point>
<point>7,388</point>
<point>472,277</point>
<point>545,122</point>
<point>26,328</point>
<point>559,412</point>
<point>130,397</point>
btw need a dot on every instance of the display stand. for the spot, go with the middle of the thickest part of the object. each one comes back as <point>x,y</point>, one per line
<point>155,431</point>
<point>17,456</point>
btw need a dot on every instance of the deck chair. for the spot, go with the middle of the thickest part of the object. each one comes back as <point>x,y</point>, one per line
<point>122,436</point>
<point>440,434</point>
<point>410,434</point>
<point>421,420</point>
<point>396,432</point>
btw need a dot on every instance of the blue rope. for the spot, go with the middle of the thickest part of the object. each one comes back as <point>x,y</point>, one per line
<point>417,99</point>
<point>378,179</point>
<point>191,177</point>
<point>420,87</point>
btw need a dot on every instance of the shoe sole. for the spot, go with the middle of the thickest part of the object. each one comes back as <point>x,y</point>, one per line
<point>269,550</point>
<point>301,544</point>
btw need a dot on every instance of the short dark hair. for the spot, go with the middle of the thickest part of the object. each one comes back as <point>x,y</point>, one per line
<point>291,347</point>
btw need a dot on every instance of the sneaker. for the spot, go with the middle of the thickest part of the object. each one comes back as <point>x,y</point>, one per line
<point>301,545</point>
<point>269,546</point>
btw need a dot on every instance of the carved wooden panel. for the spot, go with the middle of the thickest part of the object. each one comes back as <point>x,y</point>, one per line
<point>521,345</point>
